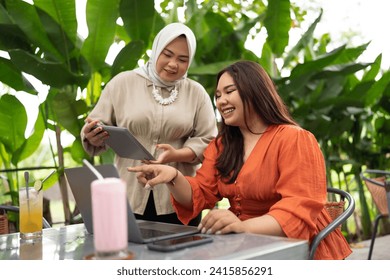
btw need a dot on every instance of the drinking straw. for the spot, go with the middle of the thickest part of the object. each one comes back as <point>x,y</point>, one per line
<point>39,184</point>
<point>27,178</point>
<point>48,176</point>
<point>93,169</point>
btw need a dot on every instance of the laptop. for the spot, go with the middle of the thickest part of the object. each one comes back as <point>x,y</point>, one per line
<point>139,231</point>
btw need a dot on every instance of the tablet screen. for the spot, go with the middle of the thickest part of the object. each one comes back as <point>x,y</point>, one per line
<point>125,144</point>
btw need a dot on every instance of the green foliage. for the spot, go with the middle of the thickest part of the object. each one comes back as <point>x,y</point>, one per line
<point>14,146</point>
<point>138,16</point>
<point>101,21</point>
<point>278,24</point>
<point>63,13</point>
<point>128,57</point>
<point>13,120</point>
<point>11,76</point>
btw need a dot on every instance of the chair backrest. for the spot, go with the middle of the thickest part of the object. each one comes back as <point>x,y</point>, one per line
<point>337,212</point>
<point>379,188</point>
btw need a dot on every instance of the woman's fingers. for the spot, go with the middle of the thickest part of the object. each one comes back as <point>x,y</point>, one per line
<point>152,175</point>
<point>219,221</point>
<point>145,175</point>
<point>94,132</point>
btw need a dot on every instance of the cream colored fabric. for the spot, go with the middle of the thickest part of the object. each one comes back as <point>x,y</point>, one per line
<point>127,101</point>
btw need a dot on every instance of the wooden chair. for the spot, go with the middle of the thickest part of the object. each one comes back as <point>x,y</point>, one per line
<point>379,189</point>
<point>3,223</point>
<point>338,213</point>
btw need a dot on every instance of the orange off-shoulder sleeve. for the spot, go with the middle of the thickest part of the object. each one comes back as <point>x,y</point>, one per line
<point>302,186</point>
<point>301,183</point>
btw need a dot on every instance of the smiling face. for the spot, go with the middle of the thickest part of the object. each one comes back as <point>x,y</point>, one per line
<point>173,62</point>
<point>229,102</point>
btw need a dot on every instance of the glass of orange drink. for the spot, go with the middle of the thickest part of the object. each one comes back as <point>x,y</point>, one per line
<point>30,213</point>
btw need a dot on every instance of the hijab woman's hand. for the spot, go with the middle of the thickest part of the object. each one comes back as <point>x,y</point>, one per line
<point>94,133</point>
<point>168,155</point>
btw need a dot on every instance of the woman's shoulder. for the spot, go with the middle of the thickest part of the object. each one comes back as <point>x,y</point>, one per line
<point>194,86</point>
<point>289,131</point>
<point>293,138</point>
<point>123,80</point>
<point>287,128</point>
<point>213,147</point>
<point>195,92</point>
<point>125,75</point>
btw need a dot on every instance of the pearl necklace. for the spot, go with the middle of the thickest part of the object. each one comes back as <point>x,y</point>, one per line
<point>164,101</point>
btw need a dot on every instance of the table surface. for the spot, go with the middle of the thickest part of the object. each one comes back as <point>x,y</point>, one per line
<point>74,242</point>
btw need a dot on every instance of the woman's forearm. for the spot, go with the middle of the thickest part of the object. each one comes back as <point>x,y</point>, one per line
<point>154,174</point>
<point>185,155</point>
<point>265,224</point>
<point>181,190</point>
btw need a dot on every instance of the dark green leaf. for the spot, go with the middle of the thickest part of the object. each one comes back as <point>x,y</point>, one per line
<point>12,77</point>
<point>63,12</point>
<point>278,23</point>
<point>4,17</point>
<point>128,57</point>
<point>350,55</point>
<point>340,70</point>
<point>303,41</point>
<point>12,37</point>
<point>313,66</point>
<point>68,112</point>
<point>374,69</point>
<point>57,36</point>
<point>26,17</point>
<point>13,122</point>
<point>101,21</point>
<point>375,92</point>
<point>32,143</point>
<point>77,151</point>
<point>50,73</point>
<point>141,20</point>
<point>220,42</point>
<point>267,61</point>
<point>385,100</point>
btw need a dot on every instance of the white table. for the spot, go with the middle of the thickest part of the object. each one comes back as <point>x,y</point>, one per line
<point>73,242</point>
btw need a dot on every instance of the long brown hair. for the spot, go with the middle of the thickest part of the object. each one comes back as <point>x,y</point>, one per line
<point>258,92</point>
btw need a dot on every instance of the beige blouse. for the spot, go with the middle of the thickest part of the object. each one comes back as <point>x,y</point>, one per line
<point>127,101</point>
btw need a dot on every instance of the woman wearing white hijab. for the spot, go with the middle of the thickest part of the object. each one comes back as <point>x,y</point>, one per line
<point>171,115</point>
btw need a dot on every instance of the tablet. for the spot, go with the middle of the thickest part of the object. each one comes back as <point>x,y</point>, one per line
<point>125,144</point>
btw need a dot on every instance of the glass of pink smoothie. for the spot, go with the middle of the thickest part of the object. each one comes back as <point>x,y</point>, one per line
<point>109,213</point>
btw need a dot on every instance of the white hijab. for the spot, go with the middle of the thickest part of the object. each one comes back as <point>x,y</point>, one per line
<point>162,39</point>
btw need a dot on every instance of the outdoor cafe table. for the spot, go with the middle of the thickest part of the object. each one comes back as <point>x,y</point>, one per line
<point>74,242</point>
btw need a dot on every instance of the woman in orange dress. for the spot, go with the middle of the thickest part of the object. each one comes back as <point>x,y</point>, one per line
<point>271,170</point>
